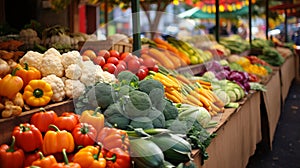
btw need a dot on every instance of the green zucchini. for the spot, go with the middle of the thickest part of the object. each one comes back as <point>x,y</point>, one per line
<point>146,154</point>
<point>176,150</point>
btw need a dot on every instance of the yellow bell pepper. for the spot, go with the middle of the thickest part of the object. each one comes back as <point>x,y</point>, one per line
<point>37,93</point>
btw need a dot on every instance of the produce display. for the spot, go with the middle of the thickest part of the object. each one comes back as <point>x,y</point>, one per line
<point>130,110</point>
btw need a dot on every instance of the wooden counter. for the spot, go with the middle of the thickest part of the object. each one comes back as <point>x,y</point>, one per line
<point>238,133</point>
<point>287,75</point>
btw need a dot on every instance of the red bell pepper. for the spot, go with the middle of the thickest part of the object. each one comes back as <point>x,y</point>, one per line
<point>67,121</point>
<point>117,158</point>
<point>43,119</point>
<point>84,134</point>
<point>113,138</point>
<point>28,137</point>
<point>11,156</point>
<point>31,157</point>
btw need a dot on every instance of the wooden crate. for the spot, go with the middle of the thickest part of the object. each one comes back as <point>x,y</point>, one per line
<point>105,45</point>
<point>7,124</point>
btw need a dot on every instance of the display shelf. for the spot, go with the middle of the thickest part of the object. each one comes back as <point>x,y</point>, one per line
<point>194,69</point>
<point>287,75</point>
<point>238,133</point>
<point>8,124</point>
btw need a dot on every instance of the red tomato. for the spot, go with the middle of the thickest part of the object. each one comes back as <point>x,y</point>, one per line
<point>114,53</point>
<point>149,62</point>
<point>123,63</point>
<point>128,58</point>
<point>144,68</point>
<point>124,55</point>
<point>141,60</point>
<point>133,65</point>
<point>104,53</point>
<point>109,67</point>
<point>119,68</point>
<point>154,68</point>
<point>99,60</point>
<point>141,73</point>
<point>113,60</point>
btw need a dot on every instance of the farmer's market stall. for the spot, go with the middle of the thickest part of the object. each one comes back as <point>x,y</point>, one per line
<point>145,98</point>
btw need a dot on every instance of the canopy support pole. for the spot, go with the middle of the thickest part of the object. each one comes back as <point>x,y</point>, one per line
<point>217,21</point>
<point>250,22</point>
<point>136,26</point>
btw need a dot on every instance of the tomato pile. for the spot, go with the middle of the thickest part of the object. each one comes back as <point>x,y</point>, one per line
<point>115,62</point>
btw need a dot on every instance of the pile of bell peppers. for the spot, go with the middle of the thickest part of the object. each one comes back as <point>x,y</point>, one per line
<point>50,141</point>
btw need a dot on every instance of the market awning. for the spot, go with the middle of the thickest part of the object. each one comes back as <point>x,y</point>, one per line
<point>285,6</point>
<point>197,13</point>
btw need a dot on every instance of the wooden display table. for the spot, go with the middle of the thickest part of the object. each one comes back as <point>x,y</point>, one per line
<point>7,125</point>
<point>238,133</point>
<point>287,75</point>
<point>271,107</point>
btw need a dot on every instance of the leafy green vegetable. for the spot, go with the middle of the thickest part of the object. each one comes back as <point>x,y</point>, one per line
<point>158,118</point>
<point>142,122</point>
<point>128,78</point>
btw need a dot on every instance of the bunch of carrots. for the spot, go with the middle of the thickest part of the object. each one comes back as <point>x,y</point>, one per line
<point>179,89</point>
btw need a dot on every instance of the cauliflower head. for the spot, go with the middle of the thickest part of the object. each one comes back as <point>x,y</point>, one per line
<point>51,63</point>
<point>88,73</point>
<point>73,71</point>
<point>105,77</point>
<point>32,58</point>
<point>71,57</point>
<point>74,88</point>
<point>57,85</point>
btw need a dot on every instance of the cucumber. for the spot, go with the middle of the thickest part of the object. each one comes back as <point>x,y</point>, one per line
<point>146,154</point>
<point>176,150</point>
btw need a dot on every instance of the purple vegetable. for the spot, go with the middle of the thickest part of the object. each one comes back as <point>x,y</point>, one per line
<point>226,68</point>
<point>222,75</point>
<point>235,76</point>
<point>214,66</point>
<point>246,86</point>
<point>245,75</point>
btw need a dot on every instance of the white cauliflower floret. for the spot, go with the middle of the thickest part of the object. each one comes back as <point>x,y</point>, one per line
<point>57,85</point>
<point>51,63</point>
<point>73,71</point>
<point>88,73</point>
<point>105,77</point>
<point>53,51</point>
<point>74,88</point>
<point>71,57</point>
<point>33,59</point>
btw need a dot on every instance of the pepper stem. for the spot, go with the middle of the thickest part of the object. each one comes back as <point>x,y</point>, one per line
<point>54,127</point>
<point>66,160</point>
<point>11,147</point>
<point>23,128</point>
<point>41,155</point>
<point>14,71</point>
<point>113,158</point>
<point>26,67</point>
<point>84,129</point>
<point>96,111</point>
<point>38,93</point>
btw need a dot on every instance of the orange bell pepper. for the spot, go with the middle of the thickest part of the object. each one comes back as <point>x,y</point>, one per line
<point>66,163</point>
<point>56,141</point>
<point>27,73</point>
<point>10,85</point>
<point>44,162</point>
<point>89,157</point>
